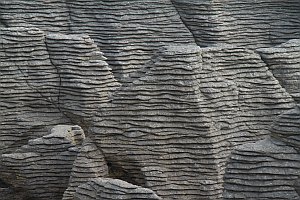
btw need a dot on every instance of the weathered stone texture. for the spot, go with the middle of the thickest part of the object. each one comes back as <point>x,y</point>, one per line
<point>268,169</point>
<point>172,128</point>
<point>252,24</point>
<point>112,189</point>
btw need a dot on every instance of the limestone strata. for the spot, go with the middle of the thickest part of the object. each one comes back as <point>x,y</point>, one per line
<point>128,32</point>
<point>29,87</point>
<point>113,189</point>
<point>284,61</point>
<point>89,164</point>
<point>42,168</point>
<point>48,15</point>
<point>268,169</point>
<point>172,128</point>
<point>251,24</point>
<point>85,79</point>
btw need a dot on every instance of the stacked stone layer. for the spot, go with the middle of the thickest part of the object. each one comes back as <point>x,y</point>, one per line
<point>262,23</point>
<point>268,169</point>
<point>284,62</point>
<point>173,127</point>
<point>112,189</point>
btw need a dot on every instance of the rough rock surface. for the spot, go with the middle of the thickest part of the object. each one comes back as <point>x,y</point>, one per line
<point>180,111</point>
<point>112,189</point>
<point>88,165</point>
<point>29,88</point>
<point>42,168</point>
<point>268,169</point>
<point>48,81</point>
<point>284,61</point>
<point>252,24</point>
<point>173,127</point>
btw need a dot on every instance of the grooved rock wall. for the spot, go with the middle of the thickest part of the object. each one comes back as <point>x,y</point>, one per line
<point>284,61</point>
<point>174,125</point>
<point>251,24</point>
<point>268,169</point>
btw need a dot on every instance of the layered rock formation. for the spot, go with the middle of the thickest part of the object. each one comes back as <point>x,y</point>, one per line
<point>173,127</point>
<point>166,128</point>
<point>268,169</point>
<point>112,189</point>
<point>262,23</point>
<point>284,61</point>
<point>41,169</point>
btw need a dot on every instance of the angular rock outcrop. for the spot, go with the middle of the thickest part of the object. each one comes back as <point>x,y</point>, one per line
<point>85,79</point>
<point>112,189</point>
<point>89,164</point>
<point>47,81</point>
<point>262,23</point>
<point>29,88</point>
<point>41,169</point>
<point>284,61</point>
<point>173,127</point>
<point>268,169</point>
<point>129,32</point>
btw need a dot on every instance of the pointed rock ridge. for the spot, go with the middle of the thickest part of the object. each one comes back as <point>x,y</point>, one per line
<point>262,23</point>
<point>113,189</point>
<point>88,165</point>
<point>268,169</point>
<point>129,32</point>
<point>283,60</point>
<point>48,15</point>
<point>29,88</point>
<point>86,80</point>
<point>172,128</point>
<point>42,168</point>
<point>286,128</point>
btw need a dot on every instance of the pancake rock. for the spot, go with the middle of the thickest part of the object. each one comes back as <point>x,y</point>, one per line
<point>172,128</point>
<point>42,168</point>
<point>113,189</point>
<point>89,164</point>
<point>268,169</point>
<point>29,88</point>
<point>252,24</point>
<point>85,79</point>
<point>47,81</point>
<point>283,60</point>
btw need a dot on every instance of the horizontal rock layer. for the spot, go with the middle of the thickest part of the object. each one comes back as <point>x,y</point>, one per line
<point>268,169</point>
<point>284,62</point>
<point>173,127</point>
<point>113,189</point>
<point>262,23</point>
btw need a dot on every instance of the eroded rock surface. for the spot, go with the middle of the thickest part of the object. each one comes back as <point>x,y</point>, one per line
<point>113,189</point>
<point>42,168</point>
<point>268,169</point>
<point>173,127</point>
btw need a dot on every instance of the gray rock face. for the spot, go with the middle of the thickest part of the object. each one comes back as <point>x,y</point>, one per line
<point>173,127</point>
<point>112,189</point>
<point>284,61</point>
<point>42,168</point>
<point>48,81</point>
<point>161,114</point>
<point>89,164</point>
<point>251,24</point>
<point>268,169</point>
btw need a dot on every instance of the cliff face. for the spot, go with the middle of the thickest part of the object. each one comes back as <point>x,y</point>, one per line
<point>174,99</point>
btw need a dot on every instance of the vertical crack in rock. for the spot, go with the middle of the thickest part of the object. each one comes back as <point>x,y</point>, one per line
<point>28,87</point>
